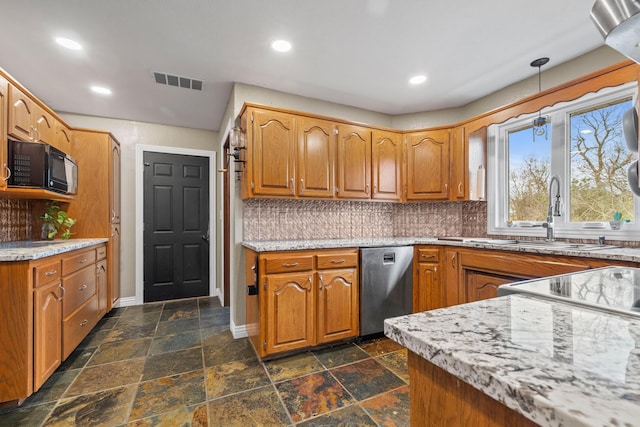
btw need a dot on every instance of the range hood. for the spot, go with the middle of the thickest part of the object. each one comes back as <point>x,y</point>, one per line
<point>619,24</point>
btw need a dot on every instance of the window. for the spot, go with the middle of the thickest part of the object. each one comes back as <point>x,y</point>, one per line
<point>584,147</point>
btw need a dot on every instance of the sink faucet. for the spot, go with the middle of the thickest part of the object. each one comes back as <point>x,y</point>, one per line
<point>554,208</point>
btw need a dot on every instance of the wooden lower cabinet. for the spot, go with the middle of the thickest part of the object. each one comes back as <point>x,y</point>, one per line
<point>300,299</point>
<point>47,307</point>
<point>438,398</point>
<point>337,298</point>
<point>47,331</point>
<point>289,311</point>
<point>428,288</point>
<point>481,285</point>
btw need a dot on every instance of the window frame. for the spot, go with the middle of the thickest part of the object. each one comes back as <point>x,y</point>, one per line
<point>560,128</point>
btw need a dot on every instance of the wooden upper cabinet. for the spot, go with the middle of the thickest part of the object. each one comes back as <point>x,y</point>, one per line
<point>273,137</point>
<point>62,138</point>
<point>21,114</point>
<point>354,162</point>
<point>386,166</point>
<point>44,125</point>
<point>4,165</point>
<point>428,165</point>
<point>458,174</point>
<point>315,158</point>
<point>27,120</point>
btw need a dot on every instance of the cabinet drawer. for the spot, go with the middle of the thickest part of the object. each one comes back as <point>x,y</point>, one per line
<point>101,252</point>
<point>284,264</point>
<point>78,287</point>
<point>77,261</point>
<point>78,325</point>
<point>428,255</point>
<point>339,260</point>
<point>48,272</point>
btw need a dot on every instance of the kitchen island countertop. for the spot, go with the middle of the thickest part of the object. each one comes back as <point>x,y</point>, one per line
<point>556,363</point>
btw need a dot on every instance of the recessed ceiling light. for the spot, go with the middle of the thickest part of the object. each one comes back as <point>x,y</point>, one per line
<point>101,90</point>
<point>416,80</point>
<point>281,46</point>
<point>68,43</point>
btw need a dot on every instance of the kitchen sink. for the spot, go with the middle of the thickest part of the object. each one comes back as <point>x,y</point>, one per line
<point>563,245</point>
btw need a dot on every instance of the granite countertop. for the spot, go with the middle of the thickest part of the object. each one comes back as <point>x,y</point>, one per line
<point>556,363</point>
<point>614,253</point>
<point>28,249</point>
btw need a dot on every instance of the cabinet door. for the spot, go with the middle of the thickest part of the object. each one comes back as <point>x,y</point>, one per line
<point>21,112</point>
<point>273,144</point>
<point>429,292</point>
<point>354,162</point>
<point>458,173</point>
<point>47,335</point>
<point>44,125</point>
<point>480,285</point>
<point>451,267</point>
<point>113,264</point>
<point>386,157</point>
<point>62,139</point>
<point>338,308</point>
<point>289,312</point>
<point>102,287</point>
<point>4,165</point>
<point>114,181</point>
<point>428,165</point>
<point>316,158</point>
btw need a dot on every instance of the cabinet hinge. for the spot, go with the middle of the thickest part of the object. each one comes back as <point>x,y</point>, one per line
<point>264,345</point>
<point>335,131</point>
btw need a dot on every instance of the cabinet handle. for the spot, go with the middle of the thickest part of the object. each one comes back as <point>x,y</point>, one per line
<point>8,172</point>
<point>301,185</point>
<point>435,273</point>
<point>338,261</point>
<point>424,256</point>
<point>446,188</point>
<point>375,189</point>
<point>50,273</point>
<point>367,189</point>
<point>459,188</point>
<point>287,265</point>
<point>293,188</point>
<point>453,261</point>
<point>37,134</point>
<point>32,133</point>
<point>113,215</point>
<point>82,288</point>
<point>82,261</point>
<point>84,322</point>
<point>321,282</point>
<point>61,296</point>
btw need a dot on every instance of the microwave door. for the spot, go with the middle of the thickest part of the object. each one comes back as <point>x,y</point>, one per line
<point>71,173</point>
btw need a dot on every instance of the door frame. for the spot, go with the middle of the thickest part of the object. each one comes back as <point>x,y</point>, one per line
<point>139,183</point>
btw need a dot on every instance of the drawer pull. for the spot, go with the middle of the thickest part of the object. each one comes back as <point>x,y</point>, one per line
<point>338,261</point>
<point>84,322</point>
<point>82,261</point>
<point>428,256</point>
<point>287,265</point>
<point>82,288</point>
<point>50,273</point>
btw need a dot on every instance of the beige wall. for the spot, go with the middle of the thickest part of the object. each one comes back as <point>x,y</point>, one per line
<point>129,134</point>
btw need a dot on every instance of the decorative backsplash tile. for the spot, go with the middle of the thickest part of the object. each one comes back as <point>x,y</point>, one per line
<point>269,219</point>
<point>15,220</point>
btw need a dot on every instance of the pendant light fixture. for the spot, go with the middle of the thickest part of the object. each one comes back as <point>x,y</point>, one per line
<point>540,123</point>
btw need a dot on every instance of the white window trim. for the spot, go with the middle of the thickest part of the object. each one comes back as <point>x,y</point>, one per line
<point>497,172</point>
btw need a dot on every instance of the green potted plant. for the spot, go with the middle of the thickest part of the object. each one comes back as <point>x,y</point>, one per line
<point>55,219</point>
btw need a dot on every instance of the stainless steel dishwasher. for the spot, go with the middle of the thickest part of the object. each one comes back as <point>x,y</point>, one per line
<point>386,286</point>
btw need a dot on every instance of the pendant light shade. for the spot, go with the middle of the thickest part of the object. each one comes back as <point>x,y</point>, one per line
<point>540,123</point>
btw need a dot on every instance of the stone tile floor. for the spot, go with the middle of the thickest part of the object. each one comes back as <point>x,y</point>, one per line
<point>177,364</point>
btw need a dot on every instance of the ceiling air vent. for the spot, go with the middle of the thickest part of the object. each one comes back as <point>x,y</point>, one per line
<point>177,81</point>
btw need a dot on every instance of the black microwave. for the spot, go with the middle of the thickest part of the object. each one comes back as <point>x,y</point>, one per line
<point>38,165</point>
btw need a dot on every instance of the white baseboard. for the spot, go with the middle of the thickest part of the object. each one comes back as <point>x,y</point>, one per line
<point>125,302</point>
<point>239,331</point>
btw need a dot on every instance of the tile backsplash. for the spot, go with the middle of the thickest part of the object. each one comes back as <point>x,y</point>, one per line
<point>269,219</point>
<point>15,220</point>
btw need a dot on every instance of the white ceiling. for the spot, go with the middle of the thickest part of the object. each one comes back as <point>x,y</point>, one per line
<point>354,52</point>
